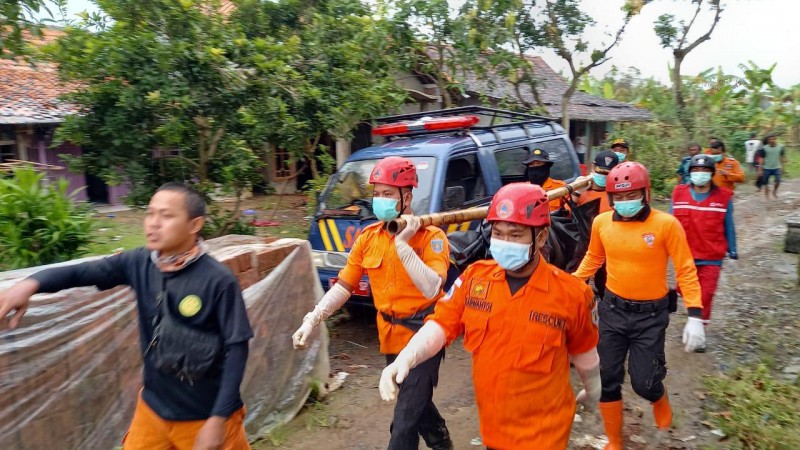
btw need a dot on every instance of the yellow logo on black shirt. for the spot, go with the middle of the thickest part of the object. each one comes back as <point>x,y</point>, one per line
<point>190,305</point>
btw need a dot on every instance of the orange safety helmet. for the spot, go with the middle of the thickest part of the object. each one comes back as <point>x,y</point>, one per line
<point>522,203</point>
<point>629,176</point>
<point>394,171</point>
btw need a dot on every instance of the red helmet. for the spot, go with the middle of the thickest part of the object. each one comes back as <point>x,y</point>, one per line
<point>522,203</point>
<point>394,171</point>
<point>628,176</point>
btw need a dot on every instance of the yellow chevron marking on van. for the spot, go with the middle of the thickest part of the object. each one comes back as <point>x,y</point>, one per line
<point>452,228</point>
<point>335,233</point>
<point>465,226</point>
<point>326,240</point>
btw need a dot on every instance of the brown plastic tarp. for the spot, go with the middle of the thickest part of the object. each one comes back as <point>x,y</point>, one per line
<point>70,375</point>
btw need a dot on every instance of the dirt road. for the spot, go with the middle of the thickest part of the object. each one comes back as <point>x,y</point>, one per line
<point>756,304</point>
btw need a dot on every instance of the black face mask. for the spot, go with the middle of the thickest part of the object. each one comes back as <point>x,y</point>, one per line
<point>538,175</point>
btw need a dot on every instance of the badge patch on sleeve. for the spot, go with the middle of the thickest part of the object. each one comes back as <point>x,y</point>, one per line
<point>437,245</point>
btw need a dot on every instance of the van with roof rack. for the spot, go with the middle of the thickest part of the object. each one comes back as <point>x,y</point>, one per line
<point>463,156</point>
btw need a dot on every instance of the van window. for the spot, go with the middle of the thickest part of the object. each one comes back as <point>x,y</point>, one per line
<point>559,152</point>
<point>463,182</point>
<point>349,191</point>
<point>509,161</point>
<point>509,164</point>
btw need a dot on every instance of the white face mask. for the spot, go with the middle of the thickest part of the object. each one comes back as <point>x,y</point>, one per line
<point>510,255</point>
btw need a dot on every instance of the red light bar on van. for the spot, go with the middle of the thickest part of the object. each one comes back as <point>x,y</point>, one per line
<point>427,124</point>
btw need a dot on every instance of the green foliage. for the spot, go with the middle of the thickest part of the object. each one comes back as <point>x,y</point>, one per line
<point>40,223</point>
<point>18,23</point>
<point>760,412</point>
<point>181,92</point>
<point>724,106</point>
<point>220,221</point>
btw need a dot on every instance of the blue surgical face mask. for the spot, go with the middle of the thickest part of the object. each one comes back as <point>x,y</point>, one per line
<point>385,208</point>
<point>628,208</point>
<point>621,156</point>
<point>700,178</point>
<point>599,179</point>
<point>717,158</point>
<point>510,255</point>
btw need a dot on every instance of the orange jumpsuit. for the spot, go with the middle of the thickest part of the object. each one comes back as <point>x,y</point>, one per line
<point>520,347</point>
<point>551,184</point>
<point>591,194</point>
<point>393,291</point>
<point>735,173</point>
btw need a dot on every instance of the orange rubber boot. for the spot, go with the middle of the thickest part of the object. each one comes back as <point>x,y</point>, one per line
<point>662,412</point>
<point>612,420</point>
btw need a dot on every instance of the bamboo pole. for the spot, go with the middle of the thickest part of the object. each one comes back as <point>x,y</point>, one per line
<point>468,215</point>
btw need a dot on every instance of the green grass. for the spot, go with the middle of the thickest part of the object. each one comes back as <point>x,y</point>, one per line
<point>758,411</point>
<point>111,235</point>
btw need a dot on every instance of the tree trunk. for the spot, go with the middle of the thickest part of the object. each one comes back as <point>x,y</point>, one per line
<point>684,116</point>
<point>565,99</point>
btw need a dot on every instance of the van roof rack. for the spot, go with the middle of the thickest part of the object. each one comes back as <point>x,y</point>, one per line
<point>506,117</point>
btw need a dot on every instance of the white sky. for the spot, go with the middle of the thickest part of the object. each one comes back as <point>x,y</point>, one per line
<point>764,31</point>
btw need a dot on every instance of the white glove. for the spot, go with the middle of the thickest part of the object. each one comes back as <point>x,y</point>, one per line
<point>393,375</point>
<point>412,226</point>
<point>329,304</point>
<point>425,343</point>
<point>300,336</point>
<point>694,334</point>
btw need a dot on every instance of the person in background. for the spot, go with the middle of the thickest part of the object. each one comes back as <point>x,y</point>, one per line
<point>683,169</point>
<point>751,146</point>
<point>706,213</point>
<point>772,164</point>
<point>728,172</point>
<point>621,148</point>
<point>603,163</point>
<point>538,171</point>
<point>580,148</point>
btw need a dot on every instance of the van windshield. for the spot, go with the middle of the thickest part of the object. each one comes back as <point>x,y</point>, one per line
<point>348,192</point>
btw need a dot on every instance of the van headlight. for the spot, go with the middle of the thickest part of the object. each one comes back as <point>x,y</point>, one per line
<point>318,258</point>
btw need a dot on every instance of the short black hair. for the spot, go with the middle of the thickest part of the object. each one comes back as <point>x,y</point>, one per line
<point>194,201</point>
<point>718,144</point>
<point>694,144</point>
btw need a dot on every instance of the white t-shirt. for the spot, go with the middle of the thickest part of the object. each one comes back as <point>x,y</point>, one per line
<point>750,148</point>
<point>580,144</point>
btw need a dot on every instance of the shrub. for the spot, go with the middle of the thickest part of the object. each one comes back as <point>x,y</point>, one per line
<point>41,223</point>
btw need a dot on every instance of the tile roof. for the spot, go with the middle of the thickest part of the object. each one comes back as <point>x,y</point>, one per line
<point>30,94</point>
<point>551,87</point>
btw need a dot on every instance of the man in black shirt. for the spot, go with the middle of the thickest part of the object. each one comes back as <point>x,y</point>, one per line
<point>193,327</point>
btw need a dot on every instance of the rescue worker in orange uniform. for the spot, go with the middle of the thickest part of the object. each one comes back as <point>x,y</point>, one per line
<point>705,211</point>
<point>728,172</point>
<point>636,242</point>
<point>538,171</point>
<point>524,321</point>
<point>603,163</point>
<point>407,273</point>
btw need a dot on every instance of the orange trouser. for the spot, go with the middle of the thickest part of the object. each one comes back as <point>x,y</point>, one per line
<point>148,431</point>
